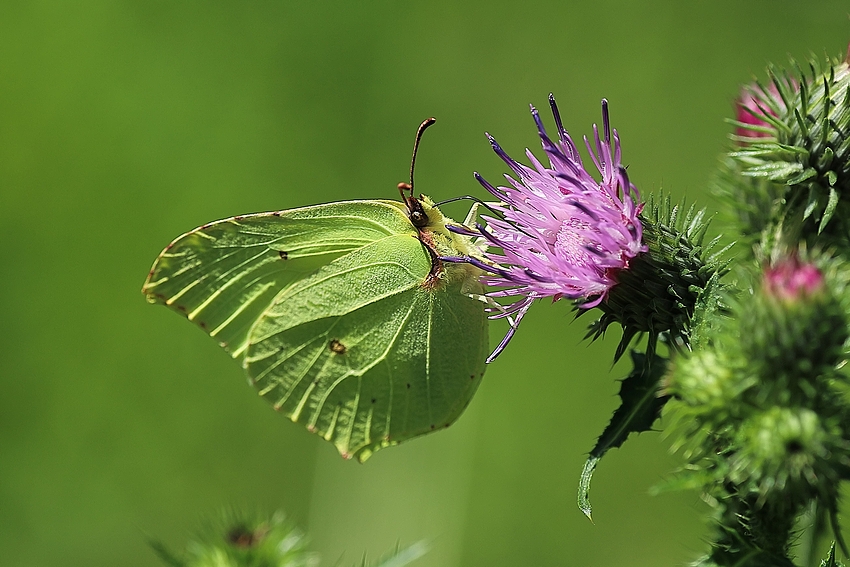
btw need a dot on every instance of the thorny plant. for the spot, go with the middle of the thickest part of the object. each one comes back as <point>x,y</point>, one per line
<point>744,358</point>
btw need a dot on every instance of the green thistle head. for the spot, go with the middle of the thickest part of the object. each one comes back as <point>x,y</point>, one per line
<point>664,286</point>
<point>787,452</point>
<point>795,327</point>
<point>761,409</point>
<point>237,540</point>
<point>794,133</point>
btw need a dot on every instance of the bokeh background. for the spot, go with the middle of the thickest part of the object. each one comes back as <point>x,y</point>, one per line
<point>125,123</point>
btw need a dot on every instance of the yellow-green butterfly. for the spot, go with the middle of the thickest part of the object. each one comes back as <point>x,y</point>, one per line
<point>342,314</point>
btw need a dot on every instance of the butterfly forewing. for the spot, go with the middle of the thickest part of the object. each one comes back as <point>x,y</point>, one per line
<point>225,274</point>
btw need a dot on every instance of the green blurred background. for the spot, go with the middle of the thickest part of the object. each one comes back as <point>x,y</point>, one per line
<point>123,124</point>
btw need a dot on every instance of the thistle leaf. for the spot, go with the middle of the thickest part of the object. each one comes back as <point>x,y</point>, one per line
<point>641,405</point>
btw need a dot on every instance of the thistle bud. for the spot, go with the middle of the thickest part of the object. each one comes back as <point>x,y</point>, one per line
<point>795,329</point>
<point>793,133</point>
<point>237,539</point>
<point>784,449</point>
<point>705,380</point>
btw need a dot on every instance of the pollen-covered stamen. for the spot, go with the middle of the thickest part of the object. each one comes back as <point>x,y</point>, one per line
<point>484,183</point>
<point>602,158</point>
<point>558,157</point>
<point>570,243</point>
<point>583,208</point>
<point>627,188</point>
<point>528,272</point>
<point>548,145</point>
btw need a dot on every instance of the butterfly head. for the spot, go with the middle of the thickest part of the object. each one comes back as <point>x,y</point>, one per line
<point>415,211</point>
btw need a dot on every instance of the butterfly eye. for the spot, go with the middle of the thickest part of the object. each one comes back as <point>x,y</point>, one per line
<point>418,218</point>
<point>417,215</point>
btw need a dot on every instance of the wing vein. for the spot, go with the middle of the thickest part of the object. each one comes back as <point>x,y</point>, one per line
<point>364,370</point>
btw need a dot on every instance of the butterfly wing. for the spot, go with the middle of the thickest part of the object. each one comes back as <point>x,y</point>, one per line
<point>337,317</point>
<point>223,275</point>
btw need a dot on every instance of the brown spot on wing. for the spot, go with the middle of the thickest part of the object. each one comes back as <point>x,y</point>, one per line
<point>337,346</point>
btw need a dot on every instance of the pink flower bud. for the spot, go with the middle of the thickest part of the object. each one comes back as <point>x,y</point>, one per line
<point>790,280</point>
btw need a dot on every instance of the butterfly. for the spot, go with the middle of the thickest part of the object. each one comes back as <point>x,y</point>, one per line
<point>343,315</point>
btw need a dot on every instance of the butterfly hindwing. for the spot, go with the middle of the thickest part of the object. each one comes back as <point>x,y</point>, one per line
<point>365,354</point>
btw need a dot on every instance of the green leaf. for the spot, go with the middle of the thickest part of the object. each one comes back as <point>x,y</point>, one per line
<point>641,405</point>
<point>342,314</point>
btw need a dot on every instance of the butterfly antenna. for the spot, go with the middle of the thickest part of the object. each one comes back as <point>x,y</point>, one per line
<point>415,211</point>
<point>419,132</point>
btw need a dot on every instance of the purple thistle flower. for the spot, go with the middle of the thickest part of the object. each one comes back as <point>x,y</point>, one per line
<point>562,232</point>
